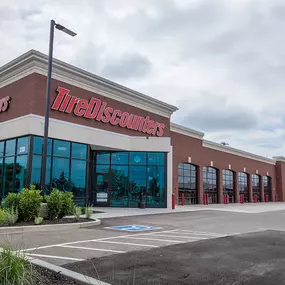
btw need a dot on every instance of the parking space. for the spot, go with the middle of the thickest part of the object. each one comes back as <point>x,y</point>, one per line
<point>85,249</point>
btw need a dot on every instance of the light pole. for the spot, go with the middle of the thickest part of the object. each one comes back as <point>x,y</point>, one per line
<point>53,25</point>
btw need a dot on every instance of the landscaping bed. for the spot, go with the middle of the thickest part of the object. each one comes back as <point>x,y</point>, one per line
<point>50,222</point>
<point>47,277</point>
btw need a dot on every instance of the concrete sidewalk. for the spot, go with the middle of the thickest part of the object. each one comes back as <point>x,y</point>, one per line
<point>249,208</point>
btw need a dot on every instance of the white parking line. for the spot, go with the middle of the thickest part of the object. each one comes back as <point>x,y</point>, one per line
<point>187,237</point>
<point>54,256</point>
<point>91,248</point>
<point>90,240</point>
<point>126,243</point>
<point>156,239</point>
<point>201,233</point>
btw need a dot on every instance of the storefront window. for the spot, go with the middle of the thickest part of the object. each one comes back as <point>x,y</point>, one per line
<point>210,185</point>
<point>1,149</point>
<point>79,151</point>
<point>120,158</point>
<point>131,177</point>
<point>137,184</point>
<point>187,181</point>
<point>156,158</point>
<point>10,147</point>
<point>38,146</point>
<point>138,158</point>
<point>103,158</point>
<point>60,174</point>
<point>66,167</point>
<point>119,186</point>
<point>61,148</point>
<point>21,172</point>
<point>36,171</point>
<point>78,177</point>
<point>155,188</point>
<point>23,145</point>
<point>9,174</point>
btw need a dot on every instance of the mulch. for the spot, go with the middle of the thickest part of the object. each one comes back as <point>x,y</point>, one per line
<point>47,277</point>
<point>51,222</point>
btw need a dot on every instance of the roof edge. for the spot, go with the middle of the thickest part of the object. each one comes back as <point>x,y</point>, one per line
<point>235,151</point>
<point>36,56</point>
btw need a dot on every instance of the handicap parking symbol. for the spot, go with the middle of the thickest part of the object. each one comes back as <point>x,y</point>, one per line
<point>134,228</point>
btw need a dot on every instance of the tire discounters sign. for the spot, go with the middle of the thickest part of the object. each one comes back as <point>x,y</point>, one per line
<point>5,103</point>
<point>95,109</point>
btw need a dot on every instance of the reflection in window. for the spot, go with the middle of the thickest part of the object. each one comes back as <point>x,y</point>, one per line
<point>79,151</point>
<point>155,187</point>
<point>38,146</point>
<point>102,168</point>
<point>61,148</point>
<point>256,185</point>
<point>228,184</point>
<point>78,177</point>
<point>1,149</point>
<point>137,184</point>
<point>187,181</point>
<point>10,147</point>
<point>60,174</point>
<point>210,186</point>
<point>36,171</point>
<point>119,186</point>
<point>243,185</point>
<point>267,187</point>
<point>156,158</point>
<point>21,172</point>
<point>9,174</point>
<point>22,145</point>
<point>103,158</point>
<point>120,158</point>
<point>138,158</point>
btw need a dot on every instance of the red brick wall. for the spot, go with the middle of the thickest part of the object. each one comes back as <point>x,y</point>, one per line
<point>28,97</point>
<point>185,146</point>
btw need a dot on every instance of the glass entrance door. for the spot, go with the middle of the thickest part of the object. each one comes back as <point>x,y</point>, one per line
<point>102,189</point>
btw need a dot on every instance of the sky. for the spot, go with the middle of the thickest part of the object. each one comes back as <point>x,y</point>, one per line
<point>221,62</point>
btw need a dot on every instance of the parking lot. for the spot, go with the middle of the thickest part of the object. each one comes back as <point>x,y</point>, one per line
<point>84,249</point>
<point>66,247</point>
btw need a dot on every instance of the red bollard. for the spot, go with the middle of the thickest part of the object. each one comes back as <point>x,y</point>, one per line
<point>254,198</point>
<point>173,201</point>
<point>266,198</point>
<point>241,198</point>
<point>204,199</point>
<point>182,199</point>
<point>227,198</point>
<point>207,199</point>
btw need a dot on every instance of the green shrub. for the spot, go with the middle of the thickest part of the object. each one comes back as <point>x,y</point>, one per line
<point>67,204</point>
<point>14,268</point>
<point>3,218</point>
<point>11,200</point>
<point>77,212</point>
<point>54,204</point>
<point>88,212</point>
<point>29,203</point>
<point>38,220</point>
<point>12,216</point>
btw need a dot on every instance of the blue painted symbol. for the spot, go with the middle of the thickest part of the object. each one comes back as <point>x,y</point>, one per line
<point>134,228</point>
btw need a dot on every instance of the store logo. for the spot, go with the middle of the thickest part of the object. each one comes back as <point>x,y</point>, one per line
<point>4,103</point>
<point>97,110</point>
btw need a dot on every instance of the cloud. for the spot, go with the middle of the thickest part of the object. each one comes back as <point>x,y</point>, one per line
<point>222,62</point>
<point>131,65</point>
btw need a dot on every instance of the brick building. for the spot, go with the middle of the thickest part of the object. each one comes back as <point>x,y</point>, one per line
<point>113,146</point>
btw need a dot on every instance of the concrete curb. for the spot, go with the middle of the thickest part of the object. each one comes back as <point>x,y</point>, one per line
<point>44,228</point>
<point>66,272</point>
